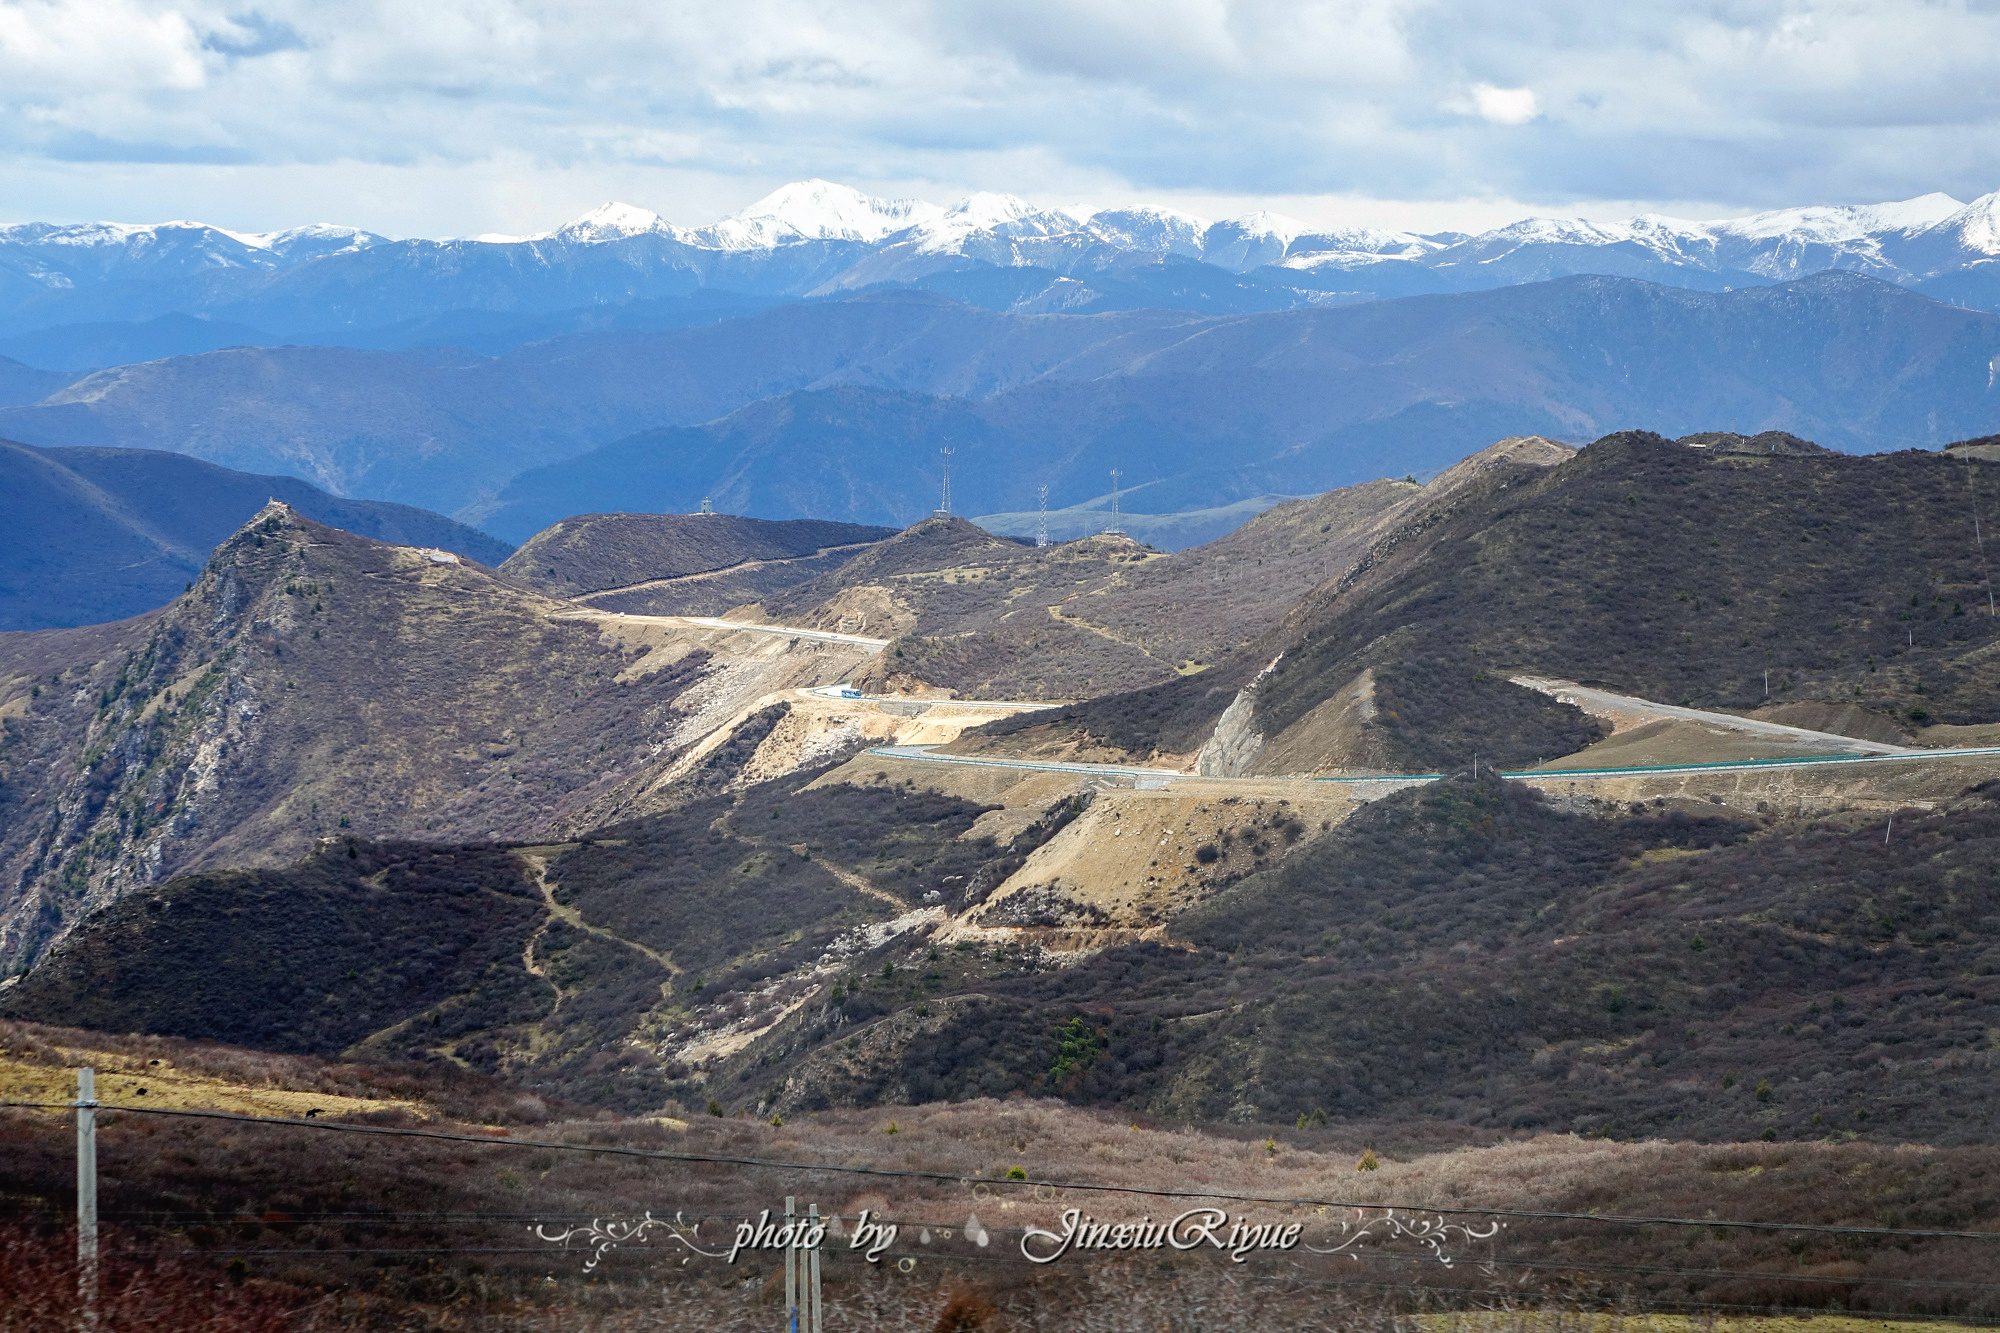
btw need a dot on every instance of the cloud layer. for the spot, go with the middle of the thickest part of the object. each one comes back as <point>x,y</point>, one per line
<point>1731,104</point>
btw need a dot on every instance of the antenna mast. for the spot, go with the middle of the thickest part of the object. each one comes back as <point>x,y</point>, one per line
<point>944,507</point>
<point>1117,528</point>
<point>1042,533</point>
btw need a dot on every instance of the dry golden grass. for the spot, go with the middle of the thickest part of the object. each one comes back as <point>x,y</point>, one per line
<point>39,1064</point>
<point>156,1083</point>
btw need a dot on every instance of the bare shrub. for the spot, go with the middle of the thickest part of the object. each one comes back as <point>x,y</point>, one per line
<point>138,1292</point>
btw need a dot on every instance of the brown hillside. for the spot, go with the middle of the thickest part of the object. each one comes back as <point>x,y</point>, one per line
<point>991,618</point>
<point>310,683</point>
<point>595,552</point>
<point>1670,571</point>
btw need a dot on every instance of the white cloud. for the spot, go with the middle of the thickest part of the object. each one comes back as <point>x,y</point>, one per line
<point>1506,106</point>
<point>691,107</point>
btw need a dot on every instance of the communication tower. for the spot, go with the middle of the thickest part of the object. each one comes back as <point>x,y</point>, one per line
<point>1042,533</point>
<point>944,505</point>
<point>1117,528</point>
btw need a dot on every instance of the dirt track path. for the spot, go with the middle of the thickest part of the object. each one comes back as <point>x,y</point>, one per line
<point>853,881</point>
<point>538,865</point>
<point>682,580</point>
<point>730,626</point>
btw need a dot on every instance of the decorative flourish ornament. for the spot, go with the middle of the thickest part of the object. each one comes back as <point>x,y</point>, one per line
<point>1431,1232</point>
<point>602,1237</point>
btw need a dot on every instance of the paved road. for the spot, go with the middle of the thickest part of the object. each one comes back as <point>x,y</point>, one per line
<point>926,752</point>
<point>1146,776</point>
<point>1018,706</point>
<point>1162,776</point>
<point>1644,710</point>
<point>1802,761</point>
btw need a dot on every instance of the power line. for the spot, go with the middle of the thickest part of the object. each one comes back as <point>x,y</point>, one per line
<point>904,1173</point>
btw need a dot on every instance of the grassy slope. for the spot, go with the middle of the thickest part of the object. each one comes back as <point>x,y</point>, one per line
<point>1681,575</point>
<point>972,611</point>
<point>980,607</point>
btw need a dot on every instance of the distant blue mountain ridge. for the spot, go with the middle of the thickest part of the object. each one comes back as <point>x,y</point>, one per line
<point>96,294</point>
<point>809,356</point>
<point>836,409</point>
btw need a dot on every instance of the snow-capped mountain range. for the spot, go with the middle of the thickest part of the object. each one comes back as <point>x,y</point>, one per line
<point>911,234</point>
<point>818,239</point>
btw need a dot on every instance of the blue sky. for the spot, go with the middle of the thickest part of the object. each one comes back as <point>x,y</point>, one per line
<point>454,117</point>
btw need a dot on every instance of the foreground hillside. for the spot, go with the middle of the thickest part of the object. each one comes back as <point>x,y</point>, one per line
<point>313,1230</point>
<point>579,969</point>
<point>1670,969</point>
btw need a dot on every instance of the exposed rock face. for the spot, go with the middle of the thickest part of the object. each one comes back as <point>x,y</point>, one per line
<point>1234,747</point>
<point>311,683</point>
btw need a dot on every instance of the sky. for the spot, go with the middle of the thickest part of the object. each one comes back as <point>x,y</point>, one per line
<point>457,117</point>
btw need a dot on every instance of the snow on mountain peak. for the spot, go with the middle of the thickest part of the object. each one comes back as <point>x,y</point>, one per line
<point>612,222</point>
<point>1836,223</point>
<point>986,209</point>
<point>1264,224</point>
<point>1157,229</point>
<point>1977,225</point>
<point>819,210</point>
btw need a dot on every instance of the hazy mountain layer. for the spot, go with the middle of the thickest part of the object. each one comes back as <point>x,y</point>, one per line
<point>90,535</point>
<point>1193,411</point>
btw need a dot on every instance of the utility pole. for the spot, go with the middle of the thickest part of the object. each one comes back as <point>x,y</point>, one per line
<point>802,1304</point>
<point>944,507</point>
<point>791,1270</point>
<point>86,1196</point>
<point>813,1320</point>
